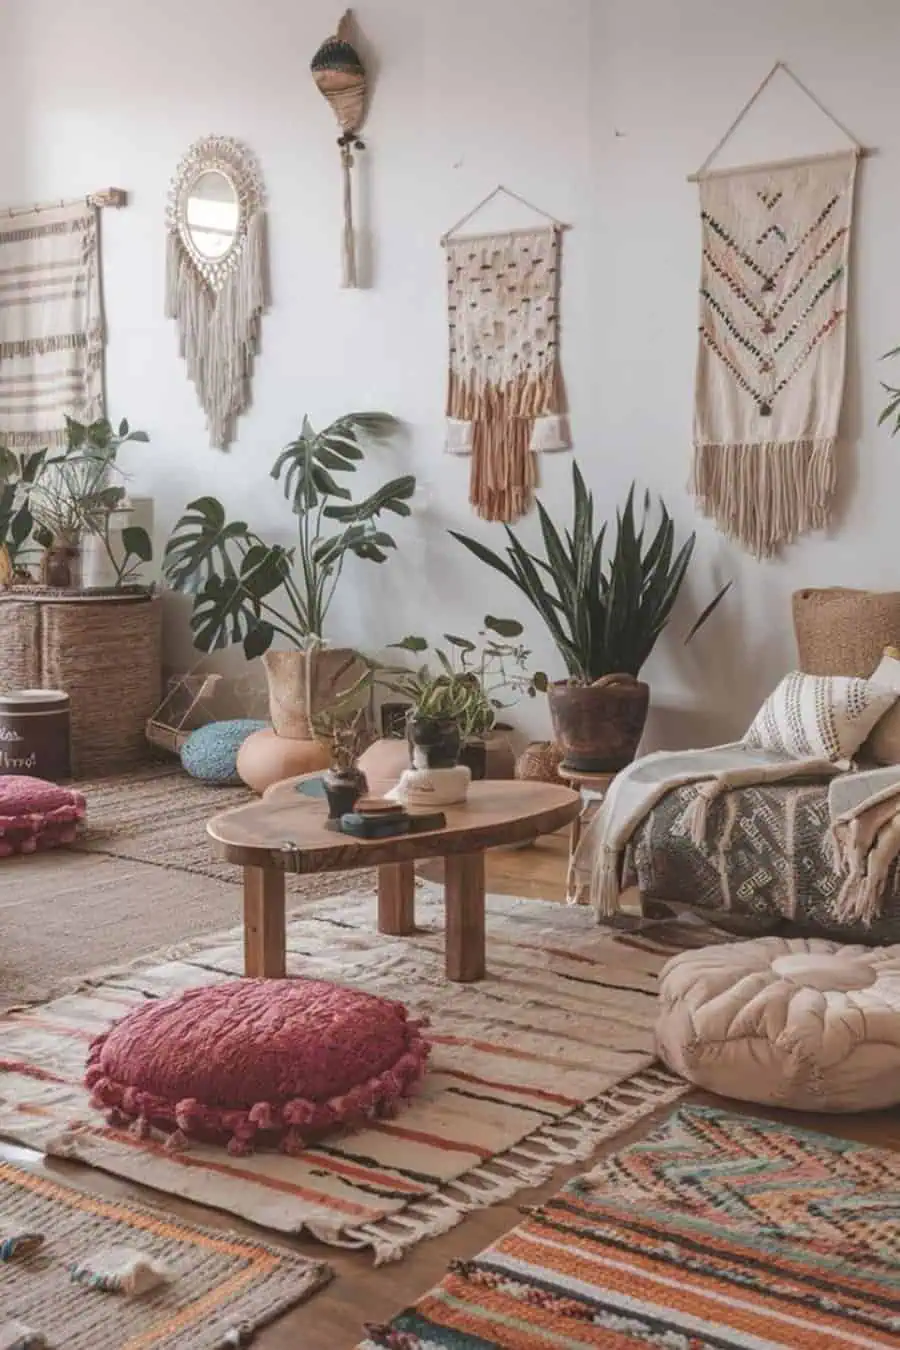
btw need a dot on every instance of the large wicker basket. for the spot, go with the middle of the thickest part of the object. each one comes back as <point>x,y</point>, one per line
<point>104,653</point>
<point>844,632</point>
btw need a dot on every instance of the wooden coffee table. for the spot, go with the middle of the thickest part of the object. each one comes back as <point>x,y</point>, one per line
<point>285,832</point>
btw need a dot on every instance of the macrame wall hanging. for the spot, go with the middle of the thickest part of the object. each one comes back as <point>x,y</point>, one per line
<point>505,395</point>
<point>773,328</point>
<point>216,275</point>
<point>340,76</point>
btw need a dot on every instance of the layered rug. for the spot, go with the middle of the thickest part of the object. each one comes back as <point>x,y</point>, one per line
<point>61,1251</point>
<point>717,1232</point>
<point>531,1068</point>
<point>158,814</point>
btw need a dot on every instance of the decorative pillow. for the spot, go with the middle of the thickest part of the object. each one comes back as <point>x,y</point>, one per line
<point>883,746</point>
<point>35,814</point>
<point>285,1060</point>
<point>819,716</point>
<point>210,752</point>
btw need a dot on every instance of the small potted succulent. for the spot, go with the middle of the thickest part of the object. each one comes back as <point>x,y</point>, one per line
<point>344,781</point>
<point>454,706</point>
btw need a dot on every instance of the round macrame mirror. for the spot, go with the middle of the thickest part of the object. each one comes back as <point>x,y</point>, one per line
<point>215,274</point>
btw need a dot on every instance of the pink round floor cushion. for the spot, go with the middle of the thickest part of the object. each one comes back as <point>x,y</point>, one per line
<point>35,814</point>
<point>257,1061</point>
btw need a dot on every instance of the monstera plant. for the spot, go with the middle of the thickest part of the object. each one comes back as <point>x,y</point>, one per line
<point>250,591</point>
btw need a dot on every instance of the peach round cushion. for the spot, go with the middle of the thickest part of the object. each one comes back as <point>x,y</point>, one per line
<point>285,1060</point>
<point>35,814</point>
<point>794,1022</point>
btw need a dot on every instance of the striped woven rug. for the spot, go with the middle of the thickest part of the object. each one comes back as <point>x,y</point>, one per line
<point>531,1068</point>
<point>717,1232</point>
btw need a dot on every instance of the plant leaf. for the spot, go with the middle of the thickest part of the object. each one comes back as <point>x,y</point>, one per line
<point>137,543</point>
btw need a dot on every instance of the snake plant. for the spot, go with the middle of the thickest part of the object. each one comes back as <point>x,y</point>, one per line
<point>604,614</point>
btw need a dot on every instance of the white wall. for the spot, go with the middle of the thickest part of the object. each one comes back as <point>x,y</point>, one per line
<point>595,110</point>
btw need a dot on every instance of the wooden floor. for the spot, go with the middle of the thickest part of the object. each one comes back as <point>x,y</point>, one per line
<point>334,1318</point>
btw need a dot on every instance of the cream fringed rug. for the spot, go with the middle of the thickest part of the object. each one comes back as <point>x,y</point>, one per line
<point>531,1068</point>
<point>223,1287</point>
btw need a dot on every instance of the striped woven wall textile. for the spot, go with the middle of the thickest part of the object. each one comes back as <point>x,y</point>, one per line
<point>51,324</point>
<point>530,1068</point>
<point>719,1232</point>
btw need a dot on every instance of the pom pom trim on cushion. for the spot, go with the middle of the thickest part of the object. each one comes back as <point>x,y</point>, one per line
<point>293,1124</point>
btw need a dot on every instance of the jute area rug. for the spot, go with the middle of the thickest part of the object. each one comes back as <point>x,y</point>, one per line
<point>142,877</point>
<point>719,1232</point>
<point>531,1068</point>
<point>221,1287</point>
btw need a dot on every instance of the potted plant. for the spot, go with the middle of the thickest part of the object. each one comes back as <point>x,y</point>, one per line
<point>604,616</point>
<point>56,501</point>
<point>454,707</point>
<point>249,591</point>
<point>344,781</point>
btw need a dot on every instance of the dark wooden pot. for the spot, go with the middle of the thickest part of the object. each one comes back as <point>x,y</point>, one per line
<point>437,737</point>
<point>343,790</point>
<point>599,726</point>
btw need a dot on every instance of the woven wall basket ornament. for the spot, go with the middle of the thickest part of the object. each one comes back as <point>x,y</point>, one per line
<point>340,75</point>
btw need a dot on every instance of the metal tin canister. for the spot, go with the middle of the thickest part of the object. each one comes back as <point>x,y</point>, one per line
<point>34,733</point>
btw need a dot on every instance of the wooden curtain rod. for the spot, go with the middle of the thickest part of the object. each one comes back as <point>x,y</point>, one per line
<point>111,196</point>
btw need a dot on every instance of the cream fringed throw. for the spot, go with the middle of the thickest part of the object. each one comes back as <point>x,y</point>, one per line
<point>505,394</point>
<point>51,324</point>
<point>770,369</point>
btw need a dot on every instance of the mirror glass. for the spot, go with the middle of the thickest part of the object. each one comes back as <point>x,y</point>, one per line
<point>212,214</point>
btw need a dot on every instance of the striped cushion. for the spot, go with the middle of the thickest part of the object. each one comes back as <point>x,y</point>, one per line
<point>819,716</point>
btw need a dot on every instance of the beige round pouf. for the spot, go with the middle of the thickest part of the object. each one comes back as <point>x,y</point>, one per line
<point>795,1022</point>
<point>265,758</point>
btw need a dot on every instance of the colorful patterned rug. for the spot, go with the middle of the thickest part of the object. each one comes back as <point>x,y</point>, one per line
<point>221,1287</point>
<point>531,1068</point>
<point>717,1232</point>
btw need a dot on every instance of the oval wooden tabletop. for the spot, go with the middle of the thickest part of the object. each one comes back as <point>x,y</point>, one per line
<point>287,830</point>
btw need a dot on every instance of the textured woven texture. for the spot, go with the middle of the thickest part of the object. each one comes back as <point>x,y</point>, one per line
<point>105,655</point>
<point>797,1022</point>
<point>258,1061</point>
<point>221,1284</point>
<point>768,856</point>
<point>844,632</point>
<point>210,752</point>
<point>818,716</point>
<point>702,1237</point>
<point>35,814</point>
<point>529,1068</point>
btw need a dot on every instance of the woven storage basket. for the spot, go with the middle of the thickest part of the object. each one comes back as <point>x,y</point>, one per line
<point>844,632</point>
<point>105,654</point>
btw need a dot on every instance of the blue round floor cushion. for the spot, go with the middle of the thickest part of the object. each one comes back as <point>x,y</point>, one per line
<point>210,752</point>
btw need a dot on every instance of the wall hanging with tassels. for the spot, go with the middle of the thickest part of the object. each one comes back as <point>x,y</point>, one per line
<point>340,76</point>
<point>505,395</point>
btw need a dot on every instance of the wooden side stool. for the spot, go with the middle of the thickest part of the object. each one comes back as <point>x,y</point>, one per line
<point>593,788</point>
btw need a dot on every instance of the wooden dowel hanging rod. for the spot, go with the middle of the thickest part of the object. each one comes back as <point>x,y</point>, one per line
<point>111,196</point>
<point>861,152</point>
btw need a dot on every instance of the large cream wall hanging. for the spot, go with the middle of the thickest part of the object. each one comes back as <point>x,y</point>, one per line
<point>216,275</point>
<point>52,336</point>
<point>340,76</point>
<point>505,397</point>
<point>773,331</point>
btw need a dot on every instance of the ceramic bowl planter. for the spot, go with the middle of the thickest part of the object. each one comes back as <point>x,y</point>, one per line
<point>599,726</point>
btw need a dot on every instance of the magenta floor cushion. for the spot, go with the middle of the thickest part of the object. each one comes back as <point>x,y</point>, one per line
<point>257,1061</point>
<point>35,814</point>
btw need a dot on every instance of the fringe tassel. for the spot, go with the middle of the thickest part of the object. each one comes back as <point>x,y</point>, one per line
<point>767,494</point>
<point>569,1141</point>
<point>606,884</point>
<point>218,331</point>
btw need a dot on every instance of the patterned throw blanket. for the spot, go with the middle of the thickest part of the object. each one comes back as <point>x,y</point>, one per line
<point>51,324</point>
<point>864,811</point>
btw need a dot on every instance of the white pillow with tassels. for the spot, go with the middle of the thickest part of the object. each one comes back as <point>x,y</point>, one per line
<point>819,716</point>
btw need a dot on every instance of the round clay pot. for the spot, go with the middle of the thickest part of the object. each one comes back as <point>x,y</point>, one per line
<point>383,763</point>
<point>266,758</point>
<point>599,726</point>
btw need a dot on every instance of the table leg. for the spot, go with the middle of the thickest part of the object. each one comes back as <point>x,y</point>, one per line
<point>464,903</point>
<point>574,841</point>
<point>264,923</point>
<point>397,899</point>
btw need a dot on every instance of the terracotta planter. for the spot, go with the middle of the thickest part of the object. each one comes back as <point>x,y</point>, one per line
<point>265,758</point>
<point>383,763</point>
<point>599,726</point>
<point>304,683</point>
